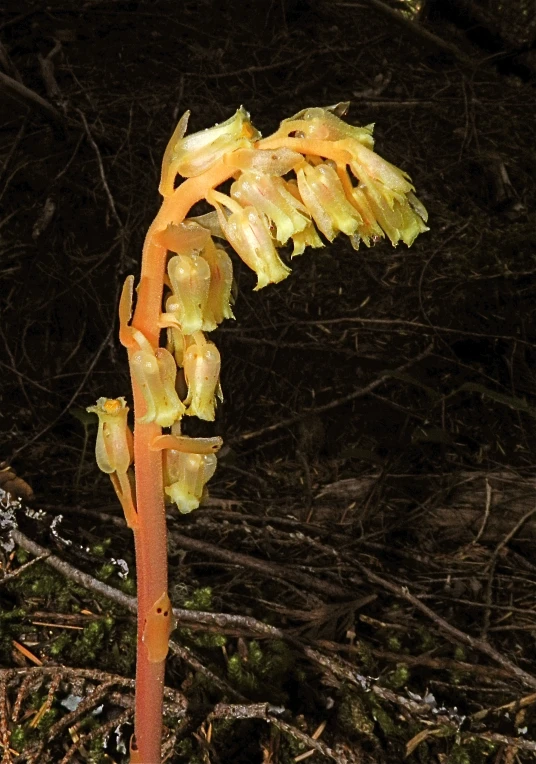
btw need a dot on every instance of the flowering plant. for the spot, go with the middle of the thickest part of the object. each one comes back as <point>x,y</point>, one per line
<point>316,173</point>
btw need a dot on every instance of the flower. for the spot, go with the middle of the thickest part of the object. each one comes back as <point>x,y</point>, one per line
<point>202,374</point>
<point>190,281</point>
<point>192,155</point>
<point>218,305</point>
<point>323,195</point>
<point>271,197</point>
<point>186,475</point>
<point>114,439</point>
<point>386,193</point>
<point>249,235</point>
<point>323,124</point>
<point>155,372</point>
<point>114,451</point>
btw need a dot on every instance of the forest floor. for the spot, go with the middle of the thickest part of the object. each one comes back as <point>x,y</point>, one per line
<point>360,585</point>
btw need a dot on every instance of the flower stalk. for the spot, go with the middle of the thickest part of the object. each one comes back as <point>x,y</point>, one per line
<point>315,174</point>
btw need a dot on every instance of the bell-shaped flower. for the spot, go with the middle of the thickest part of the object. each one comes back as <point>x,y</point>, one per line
<point>306,238</point>
<point>369,230</point>
<point>249,235</point>
<point>367,165</point>
<point>323,195</point>
<point>271,197</point>
<point>114,439</point>
<point>202,373</point>
<point>155,373</point>
<point>388,194</point>
<point>309,236</point>
<point>193,154</point>
<point>185,476</point>
<point>322,124</point>
<point>218,306</point>
<point>114,451</point>
<point>190,281</point>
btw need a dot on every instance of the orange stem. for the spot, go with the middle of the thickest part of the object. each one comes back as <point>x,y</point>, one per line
<point>151,534</point>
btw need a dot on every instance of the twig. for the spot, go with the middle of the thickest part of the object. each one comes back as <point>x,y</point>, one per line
<point>16,573</point>
<point>95,148</point>
<point>384,377</point>
<point>270,569</point>
<point>486,515</point>
<point>415,30</point>
<point>476,644</point>
<point>493,563</point>
<point>32,100</point>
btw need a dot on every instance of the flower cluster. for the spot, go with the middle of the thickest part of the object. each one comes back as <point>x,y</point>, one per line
<point>315,175</point>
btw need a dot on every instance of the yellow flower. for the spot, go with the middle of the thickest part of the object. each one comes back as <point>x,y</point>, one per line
<point>155,372</point>
<point>249,235</point>
<point>323,195</point>
<point>323,124</point>
<point>218,306</point>
<point>387,193</point>
<point>185,476</point>
<point>271,197</point>
<point>190,281</point>
<point>114,451</point>
<point>192,155</point>
<point>202,374</point>
<point>114,439</point>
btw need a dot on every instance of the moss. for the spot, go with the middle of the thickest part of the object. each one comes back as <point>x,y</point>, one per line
<point>186,753</point>
<point>268,667</point>
<point>384,719</point>
<point>18,738</point>
<point>240,676</point>
<point>48,719</point>
<point>354,717</point>
<point>364,652</point>
<point>59,645</point>
<point>426,638</point>
<point>128,586</point>
<point>99,550</point>
<point>90,643</point>
<point>200,599</point>
<point>471,751</point>
<point>105,571</point>
<point>394,644</point>
<point>399,677</point>
<point>123,652</point>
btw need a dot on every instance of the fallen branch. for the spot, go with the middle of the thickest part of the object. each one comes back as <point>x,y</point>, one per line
<point>31,100</point>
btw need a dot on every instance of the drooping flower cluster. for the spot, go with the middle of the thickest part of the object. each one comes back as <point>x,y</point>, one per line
<point>315,174</point>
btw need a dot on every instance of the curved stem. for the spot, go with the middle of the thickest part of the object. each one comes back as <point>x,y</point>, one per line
<point>151,534</point>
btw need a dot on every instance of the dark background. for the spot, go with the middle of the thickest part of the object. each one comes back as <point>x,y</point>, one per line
<point>379,405</point>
